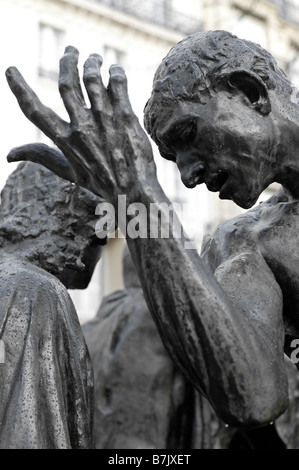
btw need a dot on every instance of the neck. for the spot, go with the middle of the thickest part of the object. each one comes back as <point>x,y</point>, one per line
<point>290,182</point>
<point>287,147</point>
<point>35,252</point>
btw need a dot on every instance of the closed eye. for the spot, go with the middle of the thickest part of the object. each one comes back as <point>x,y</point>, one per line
<point>183,135</point>
<point>179,135</point>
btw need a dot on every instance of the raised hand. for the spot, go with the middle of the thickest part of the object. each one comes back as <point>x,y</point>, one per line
<point>103,147</point>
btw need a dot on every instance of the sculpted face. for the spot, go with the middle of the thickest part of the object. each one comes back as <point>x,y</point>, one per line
<point>224,143</point>
<point>224,111</point>
<point>52,223</point>
<point>81,206</point>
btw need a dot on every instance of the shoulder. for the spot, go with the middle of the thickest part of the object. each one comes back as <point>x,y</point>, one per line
<point>30,294</point>
<point>23,278</point>
<point>14,268</point>
<point>231,238</point>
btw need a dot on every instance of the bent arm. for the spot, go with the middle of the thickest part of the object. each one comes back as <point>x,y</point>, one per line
<point>209,335</point>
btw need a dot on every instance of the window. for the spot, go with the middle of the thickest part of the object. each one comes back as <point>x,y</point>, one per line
<point>292,66</point>
<point>111,56</point>
<point>50,51</point>
<point>246,25</point>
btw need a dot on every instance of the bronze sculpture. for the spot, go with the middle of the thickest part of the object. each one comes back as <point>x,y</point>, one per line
<point>141,401</point>
<point>46,386</point>
<point>228,116</point>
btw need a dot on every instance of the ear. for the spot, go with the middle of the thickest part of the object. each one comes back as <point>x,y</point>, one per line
<point>251,85</point>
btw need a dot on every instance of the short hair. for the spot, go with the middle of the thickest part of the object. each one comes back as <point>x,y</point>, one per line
<point>191,69</point>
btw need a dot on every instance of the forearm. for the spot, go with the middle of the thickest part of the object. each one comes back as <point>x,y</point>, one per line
<point>207,339</point>
<point>104,149</point>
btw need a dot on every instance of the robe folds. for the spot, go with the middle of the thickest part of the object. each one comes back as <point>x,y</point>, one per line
<point>141,400</point>
<point>46,380</point>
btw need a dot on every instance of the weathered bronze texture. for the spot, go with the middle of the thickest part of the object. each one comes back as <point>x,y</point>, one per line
<point>225,113</point>
<point>46,386</point>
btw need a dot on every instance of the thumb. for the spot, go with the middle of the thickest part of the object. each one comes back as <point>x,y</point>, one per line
<point>49,157</point>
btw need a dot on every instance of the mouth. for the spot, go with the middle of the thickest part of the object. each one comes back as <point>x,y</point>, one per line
<point>229,189</point>
<point>219,182</point>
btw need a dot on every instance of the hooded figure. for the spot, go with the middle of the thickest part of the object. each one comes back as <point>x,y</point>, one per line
<point>46,384</point>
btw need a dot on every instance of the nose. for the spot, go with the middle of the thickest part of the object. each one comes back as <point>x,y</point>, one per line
<point>192,174</point>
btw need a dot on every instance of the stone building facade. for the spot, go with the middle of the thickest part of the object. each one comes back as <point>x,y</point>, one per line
<point>137,35</point>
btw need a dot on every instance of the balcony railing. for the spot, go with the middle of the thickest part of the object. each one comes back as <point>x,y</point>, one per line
<point>288,9</point>
<point>159,12</point>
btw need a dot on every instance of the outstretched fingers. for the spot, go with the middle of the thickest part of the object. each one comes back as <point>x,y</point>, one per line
<point>96,90</point>
<point>70,88</point>
<point>49,157</point>
<point>123,112</point>
<point>43,117</point>
<point>118,93</point>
